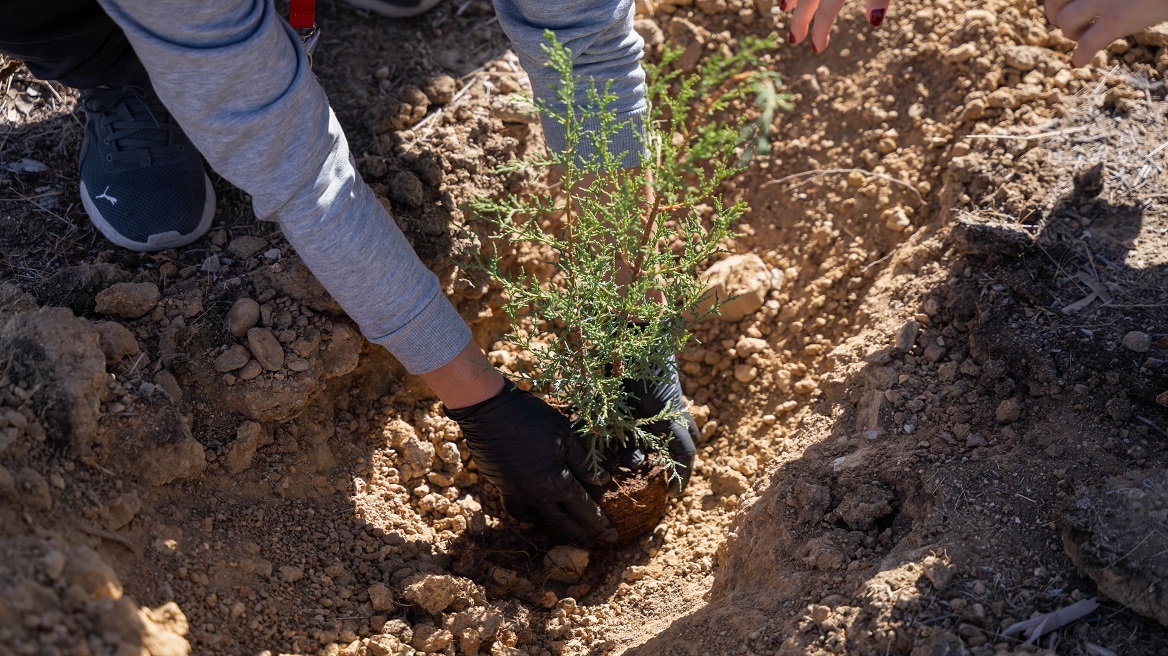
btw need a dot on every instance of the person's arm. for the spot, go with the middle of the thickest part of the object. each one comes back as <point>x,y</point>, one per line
<point>237,80</point>
<point>234,75</point>
<point>466,380</point>
<point>605,51</point>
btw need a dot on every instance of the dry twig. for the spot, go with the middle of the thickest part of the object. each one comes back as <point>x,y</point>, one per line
<point>1037,627</point>
<point>1027,137</point>
<point>810,174</point>
<point>109,535</point>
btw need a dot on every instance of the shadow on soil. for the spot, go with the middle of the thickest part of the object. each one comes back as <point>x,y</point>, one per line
<point>927,519</point>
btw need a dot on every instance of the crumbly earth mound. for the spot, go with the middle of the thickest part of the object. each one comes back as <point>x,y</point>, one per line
<point>952,332</point>
<point>1114,533</point>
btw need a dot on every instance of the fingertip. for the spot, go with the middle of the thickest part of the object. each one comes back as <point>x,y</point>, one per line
<point>584,511</point>
<point>1081,57</point>
<point>570,526</point>
<point>1053,9</point>
<point>601,478</point>
<point>582,540</point>
<point>798,33</point>
<point>632,458</point>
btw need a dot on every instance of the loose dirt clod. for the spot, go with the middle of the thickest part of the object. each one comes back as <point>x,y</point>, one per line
<point>441,89</point>
<point>1137,342</point>
<point>740,282</point>
<point>566,563</point>
<point>116,341</point>
<point>1113,534</point>
<point>1009,411</point>
<point>127,300</point>
<point>381,597</point>
<point>436,593</point>
<point>246,246</point>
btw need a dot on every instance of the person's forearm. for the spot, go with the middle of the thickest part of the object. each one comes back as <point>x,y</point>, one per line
<point>606,51</point>
<point>466,380</point>
<point>234,75</point>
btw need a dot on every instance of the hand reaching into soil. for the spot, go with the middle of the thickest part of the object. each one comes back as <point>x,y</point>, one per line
<point>817,16</point>
<point>529,451</point>
<point>651,400</point>
<point>1096,23</point>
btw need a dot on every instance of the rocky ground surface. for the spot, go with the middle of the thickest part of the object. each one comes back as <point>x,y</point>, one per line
<point>936,409</point>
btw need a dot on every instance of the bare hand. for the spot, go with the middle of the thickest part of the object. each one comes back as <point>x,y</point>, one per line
<point>817,17</point>
<point>1096,23</point>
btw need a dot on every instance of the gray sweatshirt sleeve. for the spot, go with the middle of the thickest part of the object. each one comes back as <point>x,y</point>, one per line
<point>235,77</point>
<point>605,50</point>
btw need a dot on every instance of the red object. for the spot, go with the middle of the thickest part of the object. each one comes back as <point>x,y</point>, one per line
<point>876,18</point>
<point>791,37</point>
<point>302,14</point>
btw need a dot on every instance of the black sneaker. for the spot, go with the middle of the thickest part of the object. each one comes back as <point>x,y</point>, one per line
<point>142,180</point>
<point>396,8</point>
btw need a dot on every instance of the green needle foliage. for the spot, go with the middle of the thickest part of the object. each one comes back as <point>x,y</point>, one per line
<point>627,243</point>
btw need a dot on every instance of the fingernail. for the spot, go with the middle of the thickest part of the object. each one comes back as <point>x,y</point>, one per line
<point>876,17</point>
<point>783,5</point>
<point>791,37</point>
<point>814,50</point>
<point>609,536</point>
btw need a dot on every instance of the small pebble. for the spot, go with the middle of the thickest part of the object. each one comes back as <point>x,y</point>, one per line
<point>250,370</point>
<point>1009,411</point>
<point>744,373</point>
<point>266,348</point>
<point>246,246</point>
<point>127,300</point>
<point>441,89</point>
<point>242,317</point>
<point>1139,342</point>
<point>231,359</point>
<point>907,336</point>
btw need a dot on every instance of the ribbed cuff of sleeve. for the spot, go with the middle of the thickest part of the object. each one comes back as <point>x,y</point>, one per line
<point>626,146</point>
<point>429,340</point>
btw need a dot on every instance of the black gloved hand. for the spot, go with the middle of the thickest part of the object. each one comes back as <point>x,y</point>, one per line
<point>529,451</point>
<point>650,398</point>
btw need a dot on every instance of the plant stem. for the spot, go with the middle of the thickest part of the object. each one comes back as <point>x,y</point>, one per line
<point>727,86</point>
<point>646,232</point>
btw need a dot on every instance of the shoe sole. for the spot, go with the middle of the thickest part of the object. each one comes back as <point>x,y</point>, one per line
<point>159,242</point>
<point>394,12</point>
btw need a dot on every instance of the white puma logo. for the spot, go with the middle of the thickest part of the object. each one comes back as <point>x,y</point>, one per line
<point>105,195</point>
